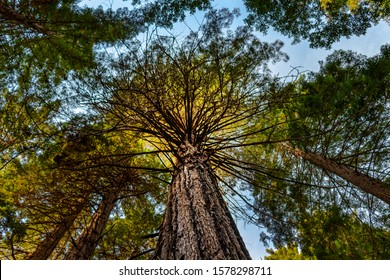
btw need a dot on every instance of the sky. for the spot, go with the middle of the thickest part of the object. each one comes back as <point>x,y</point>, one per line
<point>301,55</point>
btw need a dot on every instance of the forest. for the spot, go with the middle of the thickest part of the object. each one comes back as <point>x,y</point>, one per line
<point>124,139</point>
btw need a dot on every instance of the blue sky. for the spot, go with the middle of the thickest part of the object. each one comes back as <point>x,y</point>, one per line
<point>301,55</point>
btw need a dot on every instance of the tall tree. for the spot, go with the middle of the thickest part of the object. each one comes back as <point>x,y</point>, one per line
<point>53,238</point>
<point>353,120</point>
<point>191,99</point>
<point>337,133</point>
<point>116,185</point>
<point>198,104</point>
<point>47,201</point>
<point>85,244</point>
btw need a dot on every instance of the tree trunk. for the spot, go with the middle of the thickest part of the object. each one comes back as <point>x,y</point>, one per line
<point>51,241</point>
<point>197,223</point>
<point>84,247</point>
<point>364,182</point>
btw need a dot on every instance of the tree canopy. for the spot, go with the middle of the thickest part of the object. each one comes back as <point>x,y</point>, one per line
<point>320,22</point>
<point>122,140</point>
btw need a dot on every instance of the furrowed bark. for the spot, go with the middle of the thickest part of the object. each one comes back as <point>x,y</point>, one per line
<point>85,245</point>
<point>197,223</point>
<point>366,183</point>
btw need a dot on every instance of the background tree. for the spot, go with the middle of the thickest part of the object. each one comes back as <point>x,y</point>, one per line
<point>339,115</point>
<point>56,196</point>
<point>354,116</point>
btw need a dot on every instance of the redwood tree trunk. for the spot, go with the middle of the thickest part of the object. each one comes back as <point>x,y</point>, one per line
<point>197,223</point>
<point>51,241</point>
<point>364,182</point>
<point>84,247</point>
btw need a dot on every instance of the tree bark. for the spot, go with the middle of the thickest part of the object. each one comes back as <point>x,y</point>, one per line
<point>366,183</point>
<point>197,223</point>
<point>51,241</point>
<point>84,247</point>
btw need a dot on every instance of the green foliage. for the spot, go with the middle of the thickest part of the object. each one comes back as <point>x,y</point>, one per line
<point>37,31</point>
<point>27,123</point>
<point>45,188</point>
<point>340,113</point>
<point>320,22</point>
<point>40,29</point>
<point>127,230</point>
<point>166,12</point>
<point>332,234</point>
<point>345,104</point>
<point>12,227</point>
<point>290,252</point>
<point>212,88</point>
<point>51,162</point>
